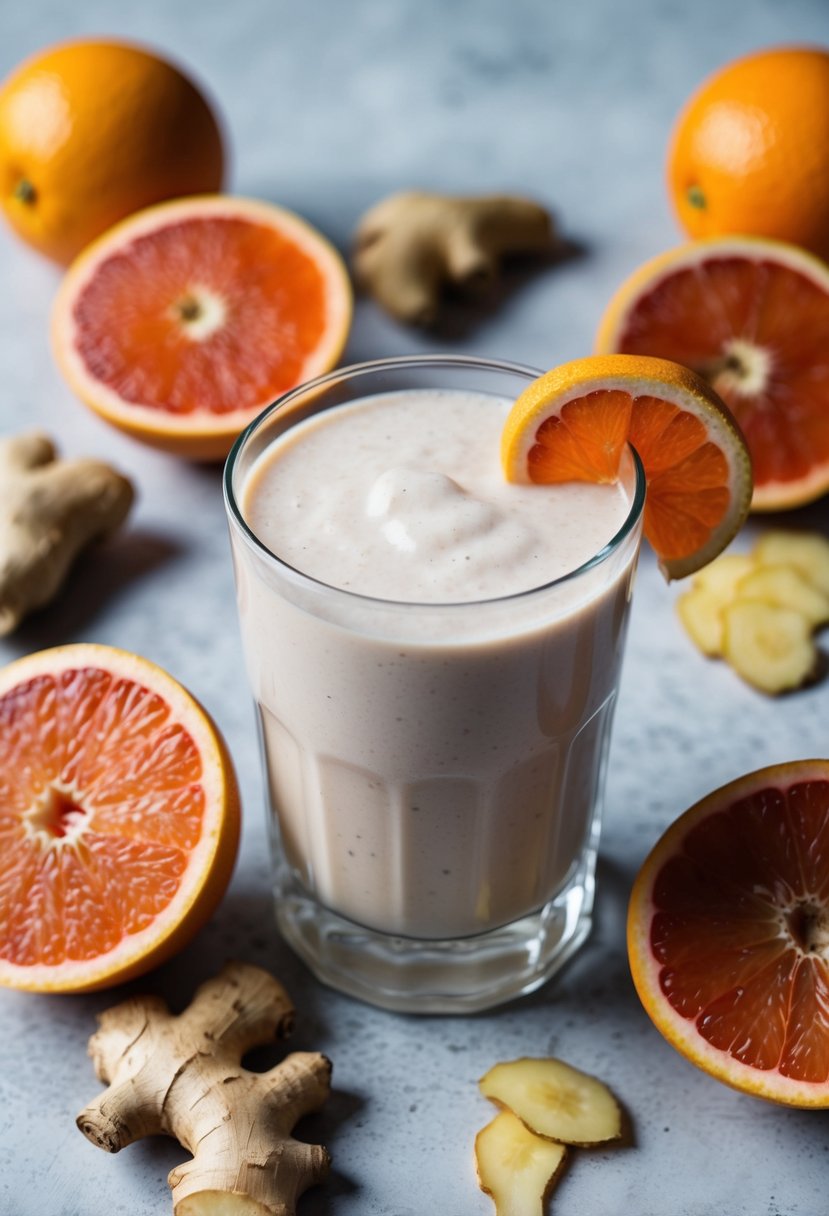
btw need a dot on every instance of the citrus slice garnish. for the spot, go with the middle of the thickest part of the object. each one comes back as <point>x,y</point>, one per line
<point>751,316</point>
<point>728,933</point>
<point>119,818</point>
<point>573,423</point>
<point>183,322</point>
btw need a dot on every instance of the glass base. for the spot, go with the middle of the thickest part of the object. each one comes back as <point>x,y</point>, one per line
<point>463,975</point>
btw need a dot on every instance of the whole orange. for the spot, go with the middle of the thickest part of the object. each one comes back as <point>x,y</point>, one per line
<point>92,131</point>
<point>750,150</point>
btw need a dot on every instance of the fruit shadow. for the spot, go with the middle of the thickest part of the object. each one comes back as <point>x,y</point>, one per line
<point>97,578</point>
<point>813,517</point>
<point>244,929</point>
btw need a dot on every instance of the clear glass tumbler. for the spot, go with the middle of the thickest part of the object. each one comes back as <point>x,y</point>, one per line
<point>435,770</point>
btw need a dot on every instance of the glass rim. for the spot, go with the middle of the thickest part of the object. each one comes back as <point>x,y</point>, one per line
<point>392,363</point>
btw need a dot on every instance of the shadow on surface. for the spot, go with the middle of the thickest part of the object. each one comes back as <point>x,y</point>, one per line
<point>462,312</point>
<point>99,575</point>
<point>598,973</point>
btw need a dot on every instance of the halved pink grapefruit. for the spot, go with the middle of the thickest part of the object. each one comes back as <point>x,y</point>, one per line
<point>728,933</point>
<point>180,324</point>
<point>119,818</point>
<point>751,316</point>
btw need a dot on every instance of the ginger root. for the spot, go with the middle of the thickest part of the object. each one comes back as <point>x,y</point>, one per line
<point>411,245</point>
<point>50,510</point>
<point>181,1076</point>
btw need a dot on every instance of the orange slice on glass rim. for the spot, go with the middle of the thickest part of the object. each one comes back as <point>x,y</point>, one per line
<point>119,818</point>
<point>728,934</point>
<point>751,316</point>
<point>573,423</point>
<point>181,323</point>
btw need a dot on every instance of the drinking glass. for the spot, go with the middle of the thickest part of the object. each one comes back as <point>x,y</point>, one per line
<point>435,771</point>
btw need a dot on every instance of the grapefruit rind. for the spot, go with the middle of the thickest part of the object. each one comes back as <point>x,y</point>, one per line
<point>770,495</point>
<point>210,862</point>
<point>679,1031</point>
<point>637,376</point>
<point>200,435</point>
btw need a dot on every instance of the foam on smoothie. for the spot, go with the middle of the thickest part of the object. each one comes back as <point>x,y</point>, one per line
<point>401,496</point>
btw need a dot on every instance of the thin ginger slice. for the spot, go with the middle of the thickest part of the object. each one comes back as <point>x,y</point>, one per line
<point>700,609</point>
<point>555,1100</point>
<point>720,577</point>
<point>785,587</point>
<point>768,646</point>
<point>701,616</point>
<point>515,1167</point>
<point>808,552</point>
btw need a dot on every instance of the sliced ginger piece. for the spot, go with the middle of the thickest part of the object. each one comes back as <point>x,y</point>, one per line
<point>555,1100</point>
<point>808,552</point>
<point>515,1167</point>
<point>720,577</point>
<point>768,646</point>
<point>785,587</point>
<point>701,615</point>
<point>700,609</point>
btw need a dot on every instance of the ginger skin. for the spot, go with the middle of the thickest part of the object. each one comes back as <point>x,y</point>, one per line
<point>411,245</point>
<point>181,1076</point>
<point>50,510</point>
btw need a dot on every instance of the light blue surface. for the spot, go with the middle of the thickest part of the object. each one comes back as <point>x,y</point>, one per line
<point>328,107</point>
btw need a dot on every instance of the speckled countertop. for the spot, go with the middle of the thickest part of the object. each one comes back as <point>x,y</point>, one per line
<point>330,105</point>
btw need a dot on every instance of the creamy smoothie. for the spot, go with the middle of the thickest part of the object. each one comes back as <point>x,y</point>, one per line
<point>435,726</point>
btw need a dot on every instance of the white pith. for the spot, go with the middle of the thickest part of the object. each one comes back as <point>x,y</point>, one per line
<point>37,820</point>
<point>745,369</point>
<point>211,312</point>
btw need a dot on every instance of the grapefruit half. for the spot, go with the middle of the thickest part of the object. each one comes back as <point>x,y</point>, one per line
<point>180,324</point>
<point>751,316</point>
<point>119,818</point>
<point>728,933</point>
